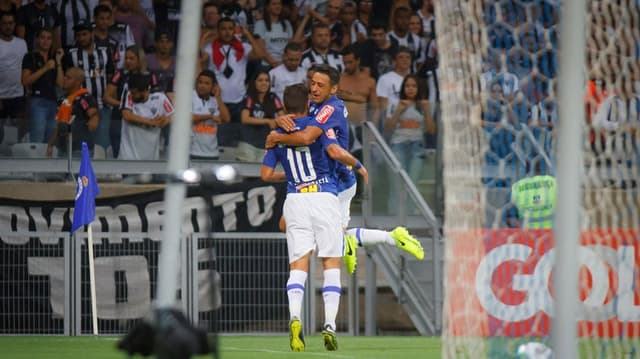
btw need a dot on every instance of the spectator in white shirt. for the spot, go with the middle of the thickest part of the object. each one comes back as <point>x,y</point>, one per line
<point>620,111</point>
<point>207,112</point>
<point>144,116</point>
<point>12,50</point>
<point>289,72</point>
<point>390,84</point>
<point>274,31</point>
<point>227,58</point>
<point>496,72</point>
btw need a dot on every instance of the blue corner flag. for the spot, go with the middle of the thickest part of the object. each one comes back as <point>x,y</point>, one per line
<point>86,192</point>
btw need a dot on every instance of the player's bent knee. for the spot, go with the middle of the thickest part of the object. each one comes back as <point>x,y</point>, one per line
<point>301,264</point>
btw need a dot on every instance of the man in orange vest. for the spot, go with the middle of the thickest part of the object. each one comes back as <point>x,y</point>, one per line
<point>77,116</point>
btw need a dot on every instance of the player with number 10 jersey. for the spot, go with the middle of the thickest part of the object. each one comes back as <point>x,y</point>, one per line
<point>308,169</point>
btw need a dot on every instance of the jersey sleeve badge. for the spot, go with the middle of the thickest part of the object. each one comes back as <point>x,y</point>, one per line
<point>330,133</point>
<point>167,106</point>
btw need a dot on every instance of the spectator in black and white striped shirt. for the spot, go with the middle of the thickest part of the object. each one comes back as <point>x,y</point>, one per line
<point>97,64</point>
<point>70,14</point>
<point>109,33</point>
<point>320,53</point>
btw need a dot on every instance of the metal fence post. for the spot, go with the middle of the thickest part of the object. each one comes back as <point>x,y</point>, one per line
<point>68,284</point>
<point>437,279</point>
<point>370,293</point>
<point>353,297</point>
<point>192,260</point>
<point>183,286</point>
<point>76,284</point>
<point>367,212</point>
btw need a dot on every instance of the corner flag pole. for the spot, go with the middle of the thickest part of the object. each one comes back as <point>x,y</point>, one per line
<point>92,281</point>
<point>84,213</point>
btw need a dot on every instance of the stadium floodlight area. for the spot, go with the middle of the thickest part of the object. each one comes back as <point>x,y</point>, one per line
<point>505,82</point>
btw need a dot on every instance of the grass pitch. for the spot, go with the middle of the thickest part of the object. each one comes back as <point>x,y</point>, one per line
<point>232,347</point>
<point>277,346</point>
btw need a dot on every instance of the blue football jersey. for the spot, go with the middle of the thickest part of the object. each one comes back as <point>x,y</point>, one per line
<point>308,168</point>
<point>331,115</point>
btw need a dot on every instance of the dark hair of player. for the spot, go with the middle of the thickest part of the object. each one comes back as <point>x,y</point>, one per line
<point>296,98</point>
<point>334,75</point>
<point>140,82</point>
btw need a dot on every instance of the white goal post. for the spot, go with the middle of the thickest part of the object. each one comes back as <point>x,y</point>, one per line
<point>541,119</point>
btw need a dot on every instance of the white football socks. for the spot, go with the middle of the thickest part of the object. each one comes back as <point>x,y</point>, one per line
<point>331,291</point>
<point>371,237</point>
<point>295,292</point>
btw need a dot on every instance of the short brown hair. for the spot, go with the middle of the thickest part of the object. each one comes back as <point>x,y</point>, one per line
<point>295,98</point>
<point>334,75</point>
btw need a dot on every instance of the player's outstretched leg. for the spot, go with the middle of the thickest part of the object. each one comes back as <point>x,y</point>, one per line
<point>407,242</point>
<point>329,337</point>
<point>350,259</point>
<point>296,338</point>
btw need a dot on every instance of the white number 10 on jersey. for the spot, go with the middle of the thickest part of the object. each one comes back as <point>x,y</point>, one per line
<point>300,164</point>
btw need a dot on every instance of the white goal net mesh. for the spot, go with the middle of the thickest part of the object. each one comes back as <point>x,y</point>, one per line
<point>498,80</point>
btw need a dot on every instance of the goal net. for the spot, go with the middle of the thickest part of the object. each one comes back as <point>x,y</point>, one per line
<point>498,81</point>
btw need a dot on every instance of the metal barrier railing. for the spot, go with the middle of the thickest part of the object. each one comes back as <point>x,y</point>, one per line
<point>424,309</point>
<point>44,286</point>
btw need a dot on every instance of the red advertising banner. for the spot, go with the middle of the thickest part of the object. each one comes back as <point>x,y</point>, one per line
<point>500,283</point>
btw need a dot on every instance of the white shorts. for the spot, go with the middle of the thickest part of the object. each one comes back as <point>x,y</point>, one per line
<point>313,222</point>
<point>345,198</point>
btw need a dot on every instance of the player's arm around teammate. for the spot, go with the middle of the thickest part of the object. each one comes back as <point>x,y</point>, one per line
<point>269,174</point>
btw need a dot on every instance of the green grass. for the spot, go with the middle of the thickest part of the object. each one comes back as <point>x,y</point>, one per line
<point>232,347</point>
<point>277,347</point>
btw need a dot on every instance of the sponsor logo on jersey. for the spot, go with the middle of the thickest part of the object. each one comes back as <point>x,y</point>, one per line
<point>324,114</point>
<point>167,106</point>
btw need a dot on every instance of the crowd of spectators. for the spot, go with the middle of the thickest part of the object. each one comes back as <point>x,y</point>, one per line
<point>249,52</point>
<point>520,81</point>
<point>519,92</point>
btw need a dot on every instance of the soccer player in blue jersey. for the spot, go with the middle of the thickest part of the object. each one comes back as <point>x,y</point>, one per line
<point>312,210</point>
<point>330,113</point>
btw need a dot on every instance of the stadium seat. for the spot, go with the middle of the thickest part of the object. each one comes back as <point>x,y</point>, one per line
<point>9,138</point>
<point>31,150</point>
<point>228,153</point>
<point>99,153</point>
